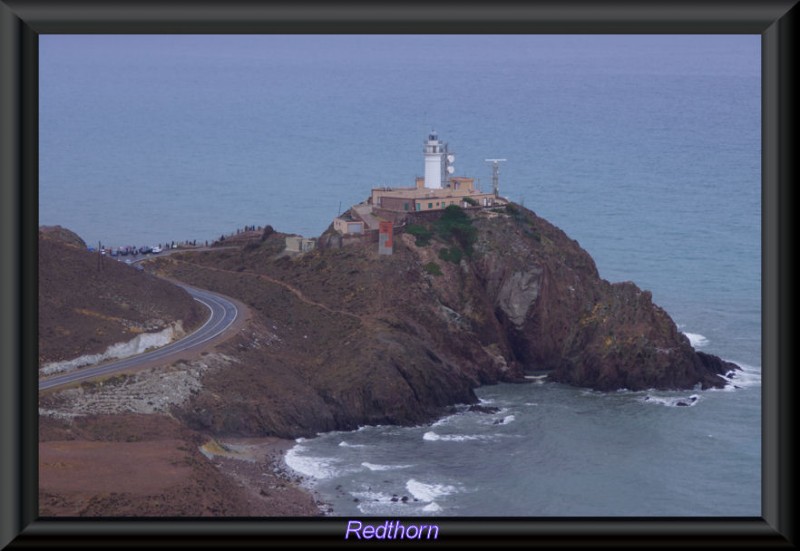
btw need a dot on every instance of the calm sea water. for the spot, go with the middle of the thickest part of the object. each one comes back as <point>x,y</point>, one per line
<point>646,149</point>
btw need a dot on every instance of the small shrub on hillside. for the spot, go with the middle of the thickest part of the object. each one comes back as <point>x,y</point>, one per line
<point>518,214</point>
<point>456,225</point>
<point>421,233</point>
<point>534,234</point>
<point>433,268</point>
<point>453,255</point>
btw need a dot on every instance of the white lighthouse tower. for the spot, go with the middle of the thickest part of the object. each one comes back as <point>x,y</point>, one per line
<point>434,161</point>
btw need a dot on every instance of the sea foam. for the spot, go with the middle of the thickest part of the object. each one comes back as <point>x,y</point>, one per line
<point>317,468</point>
<point>749,376</point>
<point>671,402</point>
<point>432,436</point>
<point>371,496</point>
<point>697,340</point>
<point>376,467</point>
<point>344,444</point>
<point>445,420</point>
<point>428,492</point>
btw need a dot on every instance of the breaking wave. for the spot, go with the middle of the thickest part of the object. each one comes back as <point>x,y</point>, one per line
<point>375,467</point>
<point>432,436</point>
<point>318,468</point>
<point>748,377</point>
<point>428,492</point>
<point>344,444</point>
<point>697,340</point>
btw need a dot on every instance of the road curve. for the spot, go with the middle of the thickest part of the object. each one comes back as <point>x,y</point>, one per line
<point>223,314</point>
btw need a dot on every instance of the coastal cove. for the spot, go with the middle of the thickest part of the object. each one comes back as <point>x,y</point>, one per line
<point>550,450</point>
<point>492,364</point>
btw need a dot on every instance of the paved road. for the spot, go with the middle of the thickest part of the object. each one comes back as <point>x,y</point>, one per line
<point>223,314</point>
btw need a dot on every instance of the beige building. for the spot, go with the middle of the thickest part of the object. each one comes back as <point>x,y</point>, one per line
<point>458,191</point>
<point>345,225</point>
<point>436,191</point>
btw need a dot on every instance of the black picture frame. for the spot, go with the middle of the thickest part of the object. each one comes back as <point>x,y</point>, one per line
<point>22,21</point>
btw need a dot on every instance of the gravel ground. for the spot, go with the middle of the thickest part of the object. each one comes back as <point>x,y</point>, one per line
<point>153,390</point>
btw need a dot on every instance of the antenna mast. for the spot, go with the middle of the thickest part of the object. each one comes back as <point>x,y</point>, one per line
<point>495,174</point>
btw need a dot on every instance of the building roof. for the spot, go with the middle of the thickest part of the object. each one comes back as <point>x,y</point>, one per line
<point>424,193</point>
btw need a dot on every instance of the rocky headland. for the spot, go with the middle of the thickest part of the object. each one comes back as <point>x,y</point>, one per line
<point>344,337</point>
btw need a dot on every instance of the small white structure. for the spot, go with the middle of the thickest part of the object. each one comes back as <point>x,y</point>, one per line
<point>300,244</point>
<point>345,226</point>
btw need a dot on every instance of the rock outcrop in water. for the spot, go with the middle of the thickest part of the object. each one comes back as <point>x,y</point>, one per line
<point>343,337</point>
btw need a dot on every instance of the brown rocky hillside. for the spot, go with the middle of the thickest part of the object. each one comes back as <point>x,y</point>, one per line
<point>344,337</point>
<point>87,303</point>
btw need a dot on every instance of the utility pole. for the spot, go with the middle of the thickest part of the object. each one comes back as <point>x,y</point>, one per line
<point>495,174</point>
<point>100,259</point>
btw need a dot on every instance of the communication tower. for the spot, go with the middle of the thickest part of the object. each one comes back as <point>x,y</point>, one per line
<point>495,174</point>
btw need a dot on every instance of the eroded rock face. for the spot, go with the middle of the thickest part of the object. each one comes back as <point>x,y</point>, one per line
<point>518,293</point>
<point>561,316</point>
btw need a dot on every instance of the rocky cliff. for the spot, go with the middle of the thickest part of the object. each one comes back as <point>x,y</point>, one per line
<point>560,316</point>
<point>343,337</point>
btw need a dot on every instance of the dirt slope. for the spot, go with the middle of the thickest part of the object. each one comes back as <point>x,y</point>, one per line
<point>150,465</point>
<point>88,302</point>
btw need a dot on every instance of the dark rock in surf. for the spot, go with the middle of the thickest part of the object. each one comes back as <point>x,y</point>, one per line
<point>483,409</point>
